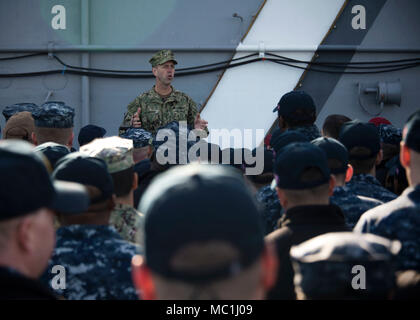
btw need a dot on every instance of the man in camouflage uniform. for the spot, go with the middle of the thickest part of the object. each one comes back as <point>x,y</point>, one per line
<point>215,252</point>
<point>271,209</point>
<point>96,259</point>
<point>389,134</point>
<point>296,111</point>
<point>400,219</point>
<point>142,152</point>
<point>266,196</point>
<point>325,267</point>
<point>118,155</point>
<point>304,184</point>
<point>27,208</point>
<point>162,104</point>
<point>363,144</point>
<point>352,205</point>
<point>390,172</point>
<point>260,183</point>
<point>142,143</point>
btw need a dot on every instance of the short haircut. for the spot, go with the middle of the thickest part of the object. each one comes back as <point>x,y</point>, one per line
<point>241,285</point>
<point>299,117</point>
<point>361,165</point>
<point>96,208</point>
<point>264,178</point>
<point>336,164</point>
<point>57,135</point>
<point>123,181</point>
<point>332,125</point>
<point>94,193</point>
<point>308,175</point>
<point>6,227</point>
<point>140,154</point>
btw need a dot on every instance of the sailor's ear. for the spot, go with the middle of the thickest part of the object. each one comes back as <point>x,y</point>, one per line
<point>349,172</point>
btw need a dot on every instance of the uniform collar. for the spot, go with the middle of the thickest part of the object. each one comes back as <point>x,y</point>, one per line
<point>313,214</point>
<point>123,206</point>
<point>365,177</point>
<point>340,190</point>
<point>21,286</point>
<point>171,97</point>
<point>86,231</point>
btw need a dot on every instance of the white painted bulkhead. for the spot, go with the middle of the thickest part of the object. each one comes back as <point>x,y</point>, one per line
<point>246,95</point>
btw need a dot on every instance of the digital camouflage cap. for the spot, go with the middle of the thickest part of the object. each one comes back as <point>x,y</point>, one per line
<point>115,151</point>
<point>18,107</point>
<point>389,134</point>
<point>140,137</point>
<point>324,265</point>
<point>54,114</point>
<point>161,57</point>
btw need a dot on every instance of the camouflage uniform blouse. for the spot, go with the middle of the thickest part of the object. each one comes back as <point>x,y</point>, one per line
<point>397,220</point>
<point>128,222</point>
<point>352,205</point>
<point>310,132</point>
<point>97,262</point>
<point>368,186</point>
<point>271,209</point>
<point>157,111</point>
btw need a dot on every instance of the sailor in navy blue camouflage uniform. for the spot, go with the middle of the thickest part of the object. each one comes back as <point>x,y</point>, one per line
<point>270,207</point>
<point>141,138</point>
<point>143,149</point>
<point>267,196</point>
<point>390,172</point>
<point>304,184</point>
<point>328,266</point>
<point>54,122</point>
<point>389,134</point>
<point>400,219</point>
<point>352,205</point>
<point>310,132</point>
<point>168,144</point>
<point>214,252</point>
<point>29,200</point>
<point>363,144</point>
<point>296,111</point>
<point>96,259</point>
<point>166,154</point>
